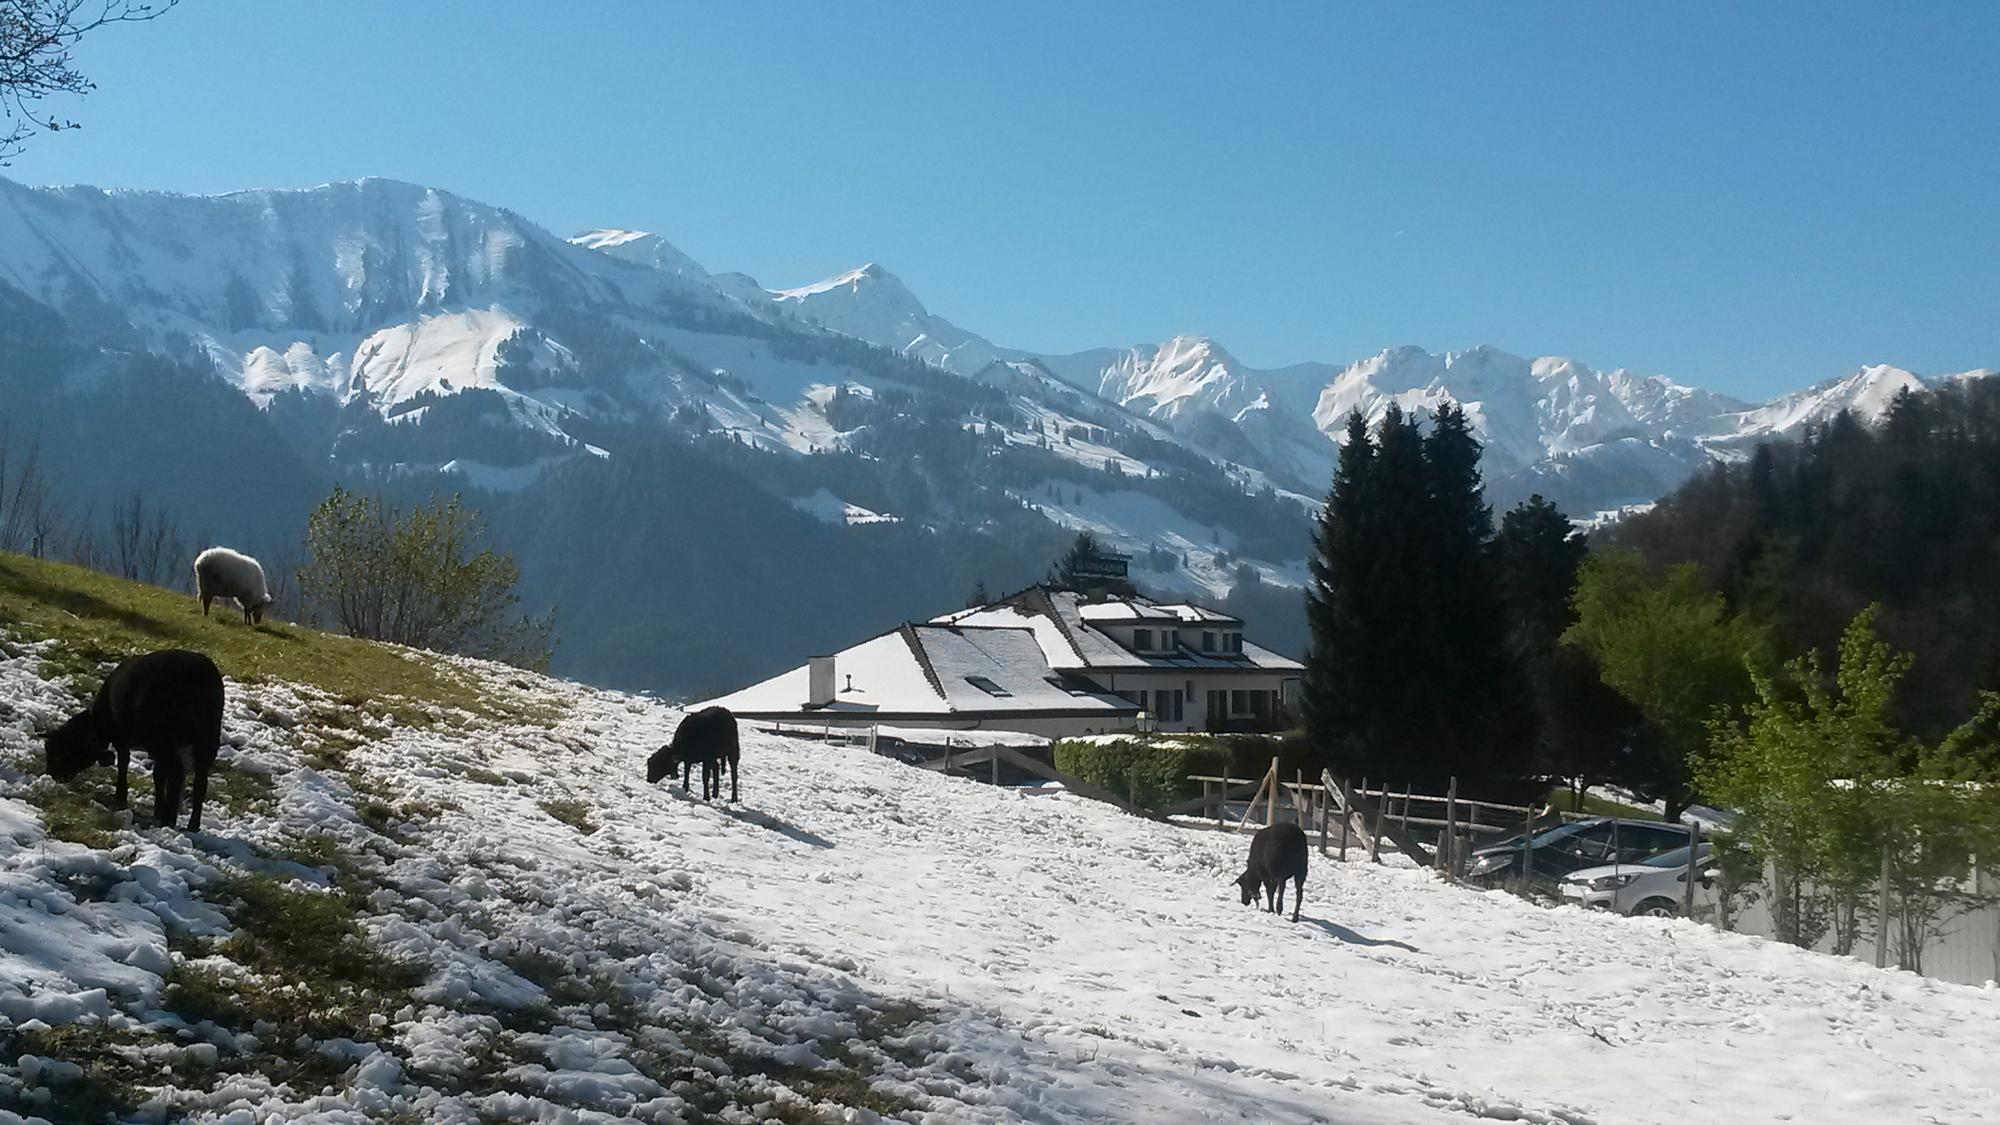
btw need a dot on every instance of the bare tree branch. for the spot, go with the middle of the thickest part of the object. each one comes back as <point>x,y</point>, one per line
<point>37,38</point>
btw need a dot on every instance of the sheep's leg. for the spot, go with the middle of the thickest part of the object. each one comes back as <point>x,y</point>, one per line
<point>1298,896</point>
<point>124,771</point>
<point>166,789</point>
<point>732,782</point>
<point>201,794</point>
<point>687,772</point>
<point>1279,906</point>
<point>205,599</point>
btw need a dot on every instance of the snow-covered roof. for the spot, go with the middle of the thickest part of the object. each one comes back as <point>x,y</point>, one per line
<point>1125,610</point>
<point>1202,615</point>
<point>935,670</point>
<point>1065,623</point>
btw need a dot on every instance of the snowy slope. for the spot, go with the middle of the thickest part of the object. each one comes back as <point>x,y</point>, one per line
<point>860,930</point>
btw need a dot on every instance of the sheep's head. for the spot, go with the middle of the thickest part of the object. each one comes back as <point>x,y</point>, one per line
<point>76,746</point>
<point>663,763</point>
<point>257,610</point>
<point>1248,882</point>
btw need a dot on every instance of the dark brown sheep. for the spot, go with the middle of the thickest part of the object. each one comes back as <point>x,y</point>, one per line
<point>708,736</point>
<point>167,703</point>
<point>1277,853</point>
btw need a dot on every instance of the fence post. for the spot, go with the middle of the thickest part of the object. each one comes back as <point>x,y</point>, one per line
<point>1375,830</point>
<point>1271,806</point>
<point>1346,823</point>
<point>1321,802</point>
<point>1406,808</point>
<point>1527,851</point>
<point>1449,853</point>
<point>1694,850</point>
<point>993,760</point>
<point>1882,911</point>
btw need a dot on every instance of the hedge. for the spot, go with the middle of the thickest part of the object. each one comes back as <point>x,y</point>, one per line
<point>1155,771</point>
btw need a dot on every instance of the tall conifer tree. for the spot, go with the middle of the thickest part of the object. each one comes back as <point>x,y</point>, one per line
<point>1336,599</point>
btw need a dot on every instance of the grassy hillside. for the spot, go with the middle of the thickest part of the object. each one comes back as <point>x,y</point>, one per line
<point>96,619</point>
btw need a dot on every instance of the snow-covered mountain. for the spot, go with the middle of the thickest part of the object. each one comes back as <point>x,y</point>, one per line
<point>416,332</point>
<point>388,301</point>
<point>1593,439</point>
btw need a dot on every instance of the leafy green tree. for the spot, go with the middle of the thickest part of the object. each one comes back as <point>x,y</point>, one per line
<point>1804,774</point>
<point>417,578</point>
<point>1670,646</point>
<point>1830,791</point>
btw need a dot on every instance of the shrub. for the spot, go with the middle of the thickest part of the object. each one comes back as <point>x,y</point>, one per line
<point>1154,770</point>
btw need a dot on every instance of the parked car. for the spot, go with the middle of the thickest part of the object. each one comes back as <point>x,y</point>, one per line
<point>1655,887</point>
<point>1572,847</point>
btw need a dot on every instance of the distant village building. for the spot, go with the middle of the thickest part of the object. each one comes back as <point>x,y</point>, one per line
<point>1047,661</point>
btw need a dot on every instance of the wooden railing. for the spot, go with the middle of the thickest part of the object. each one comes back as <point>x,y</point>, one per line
<point>1369,816</point>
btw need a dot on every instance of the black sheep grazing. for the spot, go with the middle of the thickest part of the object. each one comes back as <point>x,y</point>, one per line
<point>708,736</point>
<point>168,704</point>
<point>1277,853</point>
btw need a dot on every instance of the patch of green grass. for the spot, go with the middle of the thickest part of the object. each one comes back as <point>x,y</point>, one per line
<point>572,812</point>
<point>114,1070</point>
<point>843,1084</point>
<point>1594,805</point>
<point>310,970</point>
<point>241,791</point>
<point>98,619</point>
<point>70,814</point>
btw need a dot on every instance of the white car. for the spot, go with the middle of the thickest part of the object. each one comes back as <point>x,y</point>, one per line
<point>1654,887</point>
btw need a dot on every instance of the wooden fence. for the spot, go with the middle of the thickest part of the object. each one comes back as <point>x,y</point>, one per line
<point>1367,817</point>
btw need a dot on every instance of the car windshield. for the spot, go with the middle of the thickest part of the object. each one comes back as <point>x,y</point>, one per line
<point>1676,858</point>
<point>1542,839</point>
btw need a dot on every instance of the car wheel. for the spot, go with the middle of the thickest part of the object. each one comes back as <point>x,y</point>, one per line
<point>1657,908</point>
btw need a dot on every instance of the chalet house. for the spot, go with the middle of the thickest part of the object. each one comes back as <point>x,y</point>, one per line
<point>1045,661</point>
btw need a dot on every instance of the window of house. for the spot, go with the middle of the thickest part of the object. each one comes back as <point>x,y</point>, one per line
<point>1239,703</point>
<point>1207,642</point>
<point>987,686</point>
<point>1142,639</point>
<point>1167,705</point>
<point>1234,641</point>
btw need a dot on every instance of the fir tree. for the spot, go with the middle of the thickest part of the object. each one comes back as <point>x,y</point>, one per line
<point>1335,598</point>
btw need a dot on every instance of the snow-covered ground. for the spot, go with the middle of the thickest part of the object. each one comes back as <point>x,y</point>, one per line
<point>857,930</point>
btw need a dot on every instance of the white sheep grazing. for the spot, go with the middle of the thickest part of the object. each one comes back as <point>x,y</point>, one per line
<point>222,573</point>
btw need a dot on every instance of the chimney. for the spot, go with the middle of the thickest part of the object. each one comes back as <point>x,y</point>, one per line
<point>819,681</point>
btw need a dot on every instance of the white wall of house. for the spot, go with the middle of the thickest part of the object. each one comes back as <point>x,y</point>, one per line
<point>1198,693</point>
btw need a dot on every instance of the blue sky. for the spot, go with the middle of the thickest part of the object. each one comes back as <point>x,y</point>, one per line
<point>1747,197</point>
